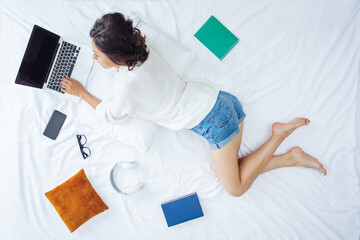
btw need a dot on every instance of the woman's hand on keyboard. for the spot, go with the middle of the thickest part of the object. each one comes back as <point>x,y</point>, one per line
<point>71,86</point>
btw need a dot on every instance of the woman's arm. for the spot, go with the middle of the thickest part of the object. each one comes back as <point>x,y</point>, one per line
<point>90,99</point>
<point>73,87</point>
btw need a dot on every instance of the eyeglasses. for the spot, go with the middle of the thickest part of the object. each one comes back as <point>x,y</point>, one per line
<point>85,151</point>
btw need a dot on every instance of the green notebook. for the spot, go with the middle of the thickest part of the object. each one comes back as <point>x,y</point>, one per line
<point>216,37</point>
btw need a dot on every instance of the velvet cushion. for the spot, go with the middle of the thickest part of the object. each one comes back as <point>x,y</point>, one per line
<point>76,201</point>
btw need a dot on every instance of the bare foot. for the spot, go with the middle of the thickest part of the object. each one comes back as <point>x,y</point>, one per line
<point>285,129</point>
<point>305,160</point>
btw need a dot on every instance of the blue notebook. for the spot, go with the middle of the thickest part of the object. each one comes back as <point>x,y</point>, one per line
<point>182,209</point>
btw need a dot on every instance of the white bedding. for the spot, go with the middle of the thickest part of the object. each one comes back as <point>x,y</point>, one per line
<point>294,58</point>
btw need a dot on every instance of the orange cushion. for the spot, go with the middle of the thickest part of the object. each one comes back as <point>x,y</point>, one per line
<point>76,201</point>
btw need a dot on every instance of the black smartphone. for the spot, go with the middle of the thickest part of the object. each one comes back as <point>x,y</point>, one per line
<point>54,125</point>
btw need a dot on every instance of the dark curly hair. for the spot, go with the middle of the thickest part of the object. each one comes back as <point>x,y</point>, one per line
<point>119,40</point>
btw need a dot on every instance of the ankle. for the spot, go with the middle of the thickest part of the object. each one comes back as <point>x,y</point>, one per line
<point>278,136</point>
<point>292,160</point>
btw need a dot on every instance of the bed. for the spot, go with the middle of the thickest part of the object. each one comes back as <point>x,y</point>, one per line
<point>294,58</point>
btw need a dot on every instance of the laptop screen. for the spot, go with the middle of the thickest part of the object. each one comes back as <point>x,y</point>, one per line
<point>38,57</point>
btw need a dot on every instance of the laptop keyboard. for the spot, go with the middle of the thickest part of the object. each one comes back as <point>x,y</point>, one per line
<point>64,65</point>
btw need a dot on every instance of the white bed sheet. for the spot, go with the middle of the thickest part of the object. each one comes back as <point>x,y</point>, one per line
<point>294,58</point>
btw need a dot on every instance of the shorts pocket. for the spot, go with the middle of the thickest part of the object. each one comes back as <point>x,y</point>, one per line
<point>219,116</point>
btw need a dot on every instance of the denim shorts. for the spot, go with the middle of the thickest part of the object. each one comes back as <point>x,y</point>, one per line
<point>221,125</point>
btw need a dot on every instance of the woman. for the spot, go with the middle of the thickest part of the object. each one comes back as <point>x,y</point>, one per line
<point>149,89</point>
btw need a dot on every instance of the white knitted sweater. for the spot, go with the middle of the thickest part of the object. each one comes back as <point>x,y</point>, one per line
<point>154,92</point>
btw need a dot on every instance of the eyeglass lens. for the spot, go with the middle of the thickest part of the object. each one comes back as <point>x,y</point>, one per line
<point>85,151</point>
<point>82,139</point>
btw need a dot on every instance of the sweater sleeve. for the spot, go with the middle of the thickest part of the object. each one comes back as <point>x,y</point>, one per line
<point>116,110</point>
<point>111,112</point>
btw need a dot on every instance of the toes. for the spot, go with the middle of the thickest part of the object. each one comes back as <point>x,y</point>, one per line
<point>301,121</point>
<point>322,169</point>
<point>298,122</point>
<point>306,121</point>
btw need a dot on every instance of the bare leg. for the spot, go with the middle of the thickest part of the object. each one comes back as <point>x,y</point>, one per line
<point>238,179</point>
<point>295,157</point>
<point>279,161</point>
<point>253,165</point>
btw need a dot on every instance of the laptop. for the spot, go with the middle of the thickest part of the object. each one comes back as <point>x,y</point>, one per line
<point>48,58</point>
